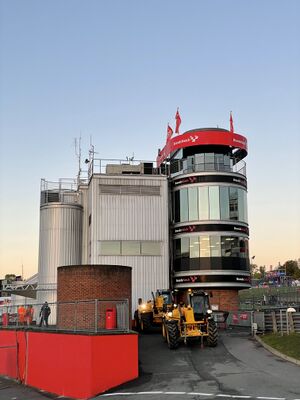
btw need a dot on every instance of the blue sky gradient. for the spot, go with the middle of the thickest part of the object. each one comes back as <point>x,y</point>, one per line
<point>117,71</point>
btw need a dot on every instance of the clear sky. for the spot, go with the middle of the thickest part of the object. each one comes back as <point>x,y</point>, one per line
<point>117,70</point>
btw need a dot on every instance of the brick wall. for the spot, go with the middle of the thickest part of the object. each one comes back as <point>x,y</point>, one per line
<point>84,284</point>
<point>226,299</point>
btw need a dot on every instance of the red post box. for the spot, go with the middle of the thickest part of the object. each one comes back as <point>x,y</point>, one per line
<point>110,318</point>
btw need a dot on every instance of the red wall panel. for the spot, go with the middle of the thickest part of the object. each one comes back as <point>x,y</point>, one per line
<point>120,353</point>
<point>78,366</point>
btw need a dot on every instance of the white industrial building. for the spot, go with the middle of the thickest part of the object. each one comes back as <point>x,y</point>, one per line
<point>118,216</point>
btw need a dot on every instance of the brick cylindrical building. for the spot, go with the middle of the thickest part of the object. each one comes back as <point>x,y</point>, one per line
<point>79,286</point>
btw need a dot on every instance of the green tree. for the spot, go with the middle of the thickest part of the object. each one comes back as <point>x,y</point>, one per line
<point>253,269</point>
<point>262,271</point>
<point>10,277</point>
<point>292,269</point>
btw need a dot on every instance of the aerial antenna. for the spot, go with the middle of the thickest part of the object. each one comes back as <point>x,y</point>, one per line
<point>78,155</point>
<point>130,158</point>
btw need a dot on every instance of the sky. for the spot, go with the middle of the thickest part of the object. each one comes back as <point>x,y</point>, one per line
<point>114,73</point>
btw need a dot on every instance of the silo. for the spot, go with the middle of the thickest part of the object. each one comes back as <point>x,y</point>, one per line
<point>60,238</point>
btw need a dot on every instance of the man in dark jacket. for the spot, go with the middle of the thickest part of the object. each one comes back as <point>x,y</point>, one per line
<point>44,314</point>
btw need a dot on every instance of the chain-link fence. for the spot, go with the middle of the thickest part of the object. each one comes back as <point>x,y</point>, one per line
<point>101,316</point>
<point>269,298</point>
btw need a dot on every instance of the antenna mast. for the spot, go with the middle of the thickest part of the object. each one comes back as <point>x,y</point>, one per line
<point>78,155</point>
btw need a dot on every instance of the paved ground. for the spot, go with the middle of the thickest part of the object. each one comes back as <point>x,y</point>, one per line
<point>239,368</point>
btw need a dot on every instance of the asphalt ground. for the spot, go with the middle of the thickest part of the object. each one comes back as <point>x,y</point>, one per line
<point>238,368</point>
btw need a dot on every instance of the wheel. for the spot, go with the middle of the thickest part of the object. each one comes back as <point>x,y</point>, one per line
<point>172,334</point>
<point>164,331</point>
<point>137,321</point>
<point>212,339</point>
<point>146,322</point>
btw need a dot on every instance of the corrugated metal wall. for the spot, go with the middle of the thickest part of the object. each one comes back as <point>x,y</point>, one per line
<point>60,243</point>
<point>132,217</point>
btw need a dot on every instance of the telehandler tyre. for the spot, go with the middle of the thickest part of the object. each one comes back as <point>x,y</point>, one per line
<point>137,321</point>
<point>212,339</point>
<point>164,330</point>
<point>146,322</point>
<point>172,334</point>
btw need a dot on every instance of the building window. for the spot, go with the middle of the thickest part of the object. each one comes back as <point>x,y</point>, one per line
<point>214,202</point>
<point>184,206</point>
<point>150,248</point>
<point>130,248</point>
<point>215,246</point>
<point>203,203</point>
<point>110,248</point>
<point>193,203</point>
<point>194,247</point>
<point>233,203</point>
<point>224,202</point>
<point>204,246</point>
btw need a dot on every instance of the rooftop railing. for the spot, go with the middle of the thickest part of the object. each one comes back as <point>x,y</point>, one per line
<point>62,191</point>
<point>124,167</point>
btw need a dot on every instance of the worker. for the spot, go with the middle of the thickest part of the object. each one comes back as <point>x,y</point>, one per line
<point>44,314</point>
<point>21,314</point>
<point>29,315</point>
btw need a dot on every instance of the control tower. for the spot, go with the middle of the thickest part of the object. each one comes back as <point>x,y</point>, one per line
<point>208,213</point>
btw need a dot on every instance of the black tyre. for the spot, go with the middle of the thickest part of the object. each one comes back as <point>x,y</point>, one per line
<point>172,332</point>
<point>137,321</point>
<point>212,339</point>
<point>164,330</point>
<point>146,322</point>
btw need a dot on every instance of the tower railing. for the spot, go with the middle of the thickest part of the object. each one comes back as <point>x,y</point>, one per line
<point>180,167</point>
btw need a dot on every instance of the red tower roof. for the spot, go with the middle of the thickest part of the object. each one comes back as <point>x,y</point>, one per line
<point>204,136</point>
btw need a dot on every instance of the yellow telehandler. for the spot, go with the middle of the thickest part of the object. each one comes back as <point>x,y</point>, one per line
<point>186,323</point>
<point>150,313</point>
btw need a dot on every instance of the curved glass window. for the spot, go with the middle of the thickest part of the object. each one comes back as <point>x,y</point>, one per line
<point>193,203</point>
<point>208,162</point>
<point>203,203</point>
<point>211,252</point>
<point>214,202</point>
<point>200,203</point>
<point>184,206</point>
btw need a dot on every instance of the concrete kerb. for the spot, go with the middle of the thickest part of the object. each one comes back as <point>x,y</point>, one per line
<point>276,352</point>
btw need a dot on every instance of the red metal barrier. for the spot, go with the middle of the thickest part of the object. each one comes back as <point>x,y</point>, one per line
<point>78,366</point>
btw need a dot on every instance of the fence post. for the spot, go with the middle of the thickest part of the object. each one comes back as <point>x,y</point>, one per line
<point>75,317</point>
<point>96,315</point>
<point>127,315</point>
<point>281,330</point>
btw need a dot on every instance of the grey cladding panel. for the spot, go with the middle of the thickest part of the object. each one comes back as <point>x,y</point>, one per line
<point>140,190</point>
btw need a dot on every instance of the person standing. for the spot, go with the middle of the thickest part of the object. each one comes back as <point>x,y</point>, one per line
<point>21,314</point>
<point>29,315</point>
<point>44,314</point>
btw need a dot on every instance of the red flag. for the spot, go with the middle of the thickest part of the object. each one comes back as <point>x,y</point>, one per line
<point>178,121</point>
<point>231,123</point>
<point>169,132</point>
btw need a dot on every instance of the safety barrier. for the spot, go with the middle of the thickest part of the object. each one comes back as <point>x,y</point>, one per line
<point>96,316</point>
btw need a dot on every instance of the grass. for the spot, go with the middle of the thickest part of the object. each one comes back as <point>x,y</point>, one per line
<point>288,345</point>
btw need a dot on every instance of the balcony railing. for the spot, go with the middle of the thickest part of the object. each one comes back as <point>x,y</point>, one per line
<point>179,167</point>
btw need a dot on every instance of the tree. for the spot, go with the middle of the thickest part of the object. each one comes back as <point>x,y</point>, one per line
<point>253,269</point>
<point>10,277</point>
<point>262,271</point>
<point>292,269</point>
